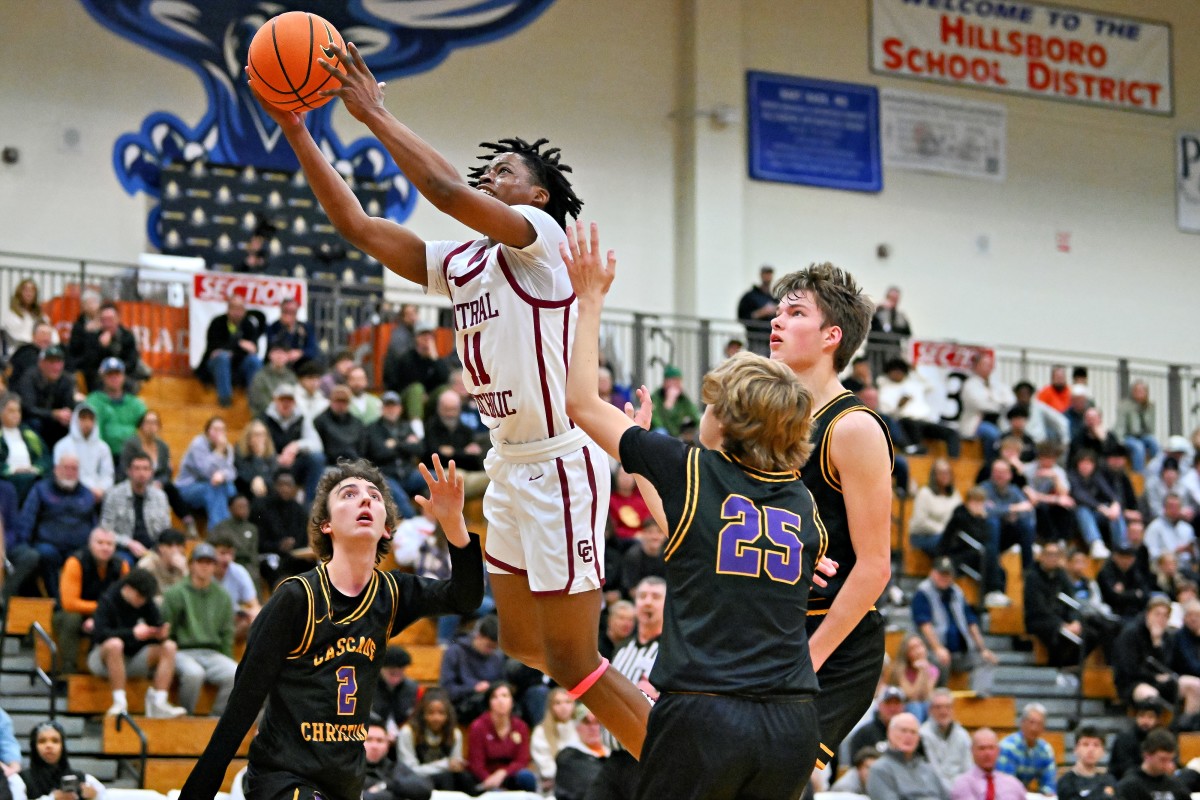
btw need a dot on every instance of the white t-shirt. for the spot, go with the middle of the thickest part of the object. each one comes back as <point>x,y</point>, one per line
<point>18,451</point>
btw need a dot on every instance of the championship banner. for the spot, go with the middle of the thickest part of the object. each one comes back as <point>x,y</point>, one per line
<point>946,365</point>
<point>935,133</point>
<point>208,298</point>
<point>1033,49</point>
<point>1187,181</point>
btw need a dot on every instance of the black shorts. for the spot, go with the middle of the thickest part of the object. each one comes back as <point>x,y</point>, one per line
<point>719,747</point>
<point>848,680</point>
<point>280,785</point>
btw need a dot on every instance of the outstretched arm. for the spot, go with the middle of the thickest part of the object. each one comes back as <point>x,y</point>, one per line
<point>591,277</point>
<point>432,175</point>
<point>398,248</point>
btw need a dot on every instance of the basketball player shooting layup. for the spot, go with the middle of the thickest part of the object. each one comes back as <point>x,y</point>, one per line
<point>514,318</point>
<point>821,320</point>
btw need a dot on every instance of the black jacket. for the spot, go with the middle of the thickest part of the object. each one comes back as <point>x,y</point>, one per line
<point>40,397</point>
<point>437,435</point>
<point>341,434</point>
<point>122,345</point>
<point>1044,612</point>
<point>1124,592</point>
<point>386,445</point>
<point>219,337</point>
<point>277,519</point>
<point>411,367</point>
<point>1131,655</point>
<point>115,618</point>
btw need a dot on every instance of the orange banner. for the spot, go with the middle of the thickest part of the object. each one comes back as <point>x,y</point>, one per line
<point>161,331</point>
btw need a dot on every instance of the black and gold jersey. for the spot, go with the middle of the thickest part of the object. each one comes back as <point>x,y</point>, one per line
<point>740,554</point>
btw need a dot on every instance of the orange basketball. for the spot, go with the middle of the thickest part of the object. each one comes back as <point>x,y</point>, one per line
<point>283,60</point>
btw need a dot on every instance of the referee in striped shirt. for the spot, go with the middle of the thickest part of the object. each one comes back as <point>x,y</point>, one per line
<point>618,777</point>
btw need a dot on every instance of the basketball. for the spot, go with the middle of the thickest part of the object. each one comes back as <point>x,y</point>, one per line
<point>283,60</point>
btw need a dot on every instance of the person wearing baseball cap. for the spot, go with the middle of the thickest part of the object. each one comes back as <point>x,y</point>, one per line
<point>944,618</point>
<point>47,395</point>
<point>874,733</point>
<point>391,444</point>
<point>200,613</point>
<point>275,373</point>
<point>117,411</point>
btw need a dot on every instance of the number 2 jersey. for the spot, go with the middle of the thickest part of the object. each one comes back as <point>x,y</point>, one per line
<point>740,554</point>
<point>315,655</point>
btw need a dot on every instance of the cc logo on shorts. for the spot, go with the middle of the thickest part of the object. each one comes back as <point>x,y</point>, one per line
<point>584,548</point>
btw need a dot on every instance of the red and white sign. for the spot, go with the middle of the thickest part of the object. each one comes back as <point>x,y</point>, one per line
<point>945,365</point>
<point>209,294</point>
<point>1053,52</point>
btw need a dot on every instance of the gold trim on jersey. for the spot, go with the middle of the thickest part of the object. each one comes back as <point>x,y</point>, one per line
<point>827,469</point>
<point>820,612</point>
<point>822,533</point>
<point>310,624</point>
<point>690,500</point>
<point>824,756</point>
<point>395,590</point>
<point>363,607</point>
<point>825,407</point>
<point>767,476</point>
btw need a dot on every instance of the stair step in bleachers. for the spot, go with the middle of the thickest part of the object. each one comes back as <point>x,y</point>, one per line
<point>165,774</point>
<point>25,722</point>
<point>88,694</point>
<point>185,405</point>
<point>186,736</point>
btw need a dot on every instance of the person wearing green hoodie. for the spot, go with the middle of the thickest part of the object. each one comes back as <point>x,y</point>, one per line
<point>200,613</point>
<point>117,411</point>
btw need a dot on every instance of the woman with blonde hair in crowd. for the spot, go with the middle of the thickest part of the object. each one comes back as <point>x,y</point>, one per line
<point>915,674</point>
<point>255,460</point>
<point>22,313</point>
<point>556,731</point>
<point>934,504</point>
<point>206,476</point>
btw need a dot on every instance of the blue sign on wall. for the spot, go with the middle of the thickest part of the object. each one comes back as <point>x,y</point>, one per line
<point>819,133</point>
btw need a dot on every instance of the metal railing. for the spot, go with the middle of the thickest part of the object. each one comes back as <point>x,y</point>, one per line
<point>39,674</point>
<point>636,345</point>
<point>124,719</point>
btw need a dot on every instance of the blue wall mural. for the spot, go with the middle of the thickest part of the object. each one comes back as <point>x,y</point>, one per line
<point>211,37</point>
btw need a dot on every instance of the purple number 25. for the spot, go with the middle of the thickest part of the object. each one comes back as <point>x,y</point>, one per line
<point>740,546</point>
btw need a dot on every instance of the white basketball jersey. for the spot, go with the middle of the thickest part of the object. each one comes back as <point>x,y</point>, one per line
<point>514,322</point>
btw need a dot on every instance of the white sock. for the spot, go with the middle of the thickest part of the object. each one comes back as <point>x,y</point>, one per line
<point>159,696</point>
<point>119,697</point>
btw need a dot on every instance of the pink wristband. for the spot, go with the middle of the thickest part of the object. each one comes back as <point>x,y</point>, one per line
<point>587,683</point>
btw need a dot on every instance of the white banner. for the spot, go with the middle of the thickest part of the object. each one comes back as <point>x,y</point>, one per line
<point>1187,181</point>
<point>934,133</point>
<point>946,365</point>
<point>209,298</point>
<point>1054,52</point>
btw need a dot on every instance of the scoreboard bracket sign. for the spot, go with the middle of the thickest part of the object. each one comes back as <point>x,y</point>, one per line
<point>1032,49</point>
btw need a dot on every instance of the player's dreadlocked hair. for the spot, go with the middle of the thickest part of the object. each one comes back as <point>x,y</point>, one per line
<point>547,173</point>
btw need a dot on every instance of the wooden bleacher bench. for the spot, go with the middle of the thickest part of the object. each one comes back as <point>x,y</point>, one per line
<point>24,611</point>
<point>423,631</point>
<point>88,694</point>
<point>997,712</point>
<point>426,664</point>
<point>165,774</point>
<point>1006,621</point>
<point>185,736</point>
<point>1189,747</point>
<point>1098,683</point>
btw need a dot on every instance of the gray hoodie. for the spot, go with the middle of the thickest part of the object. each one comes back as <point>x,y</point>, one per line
<point>95,458</point>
